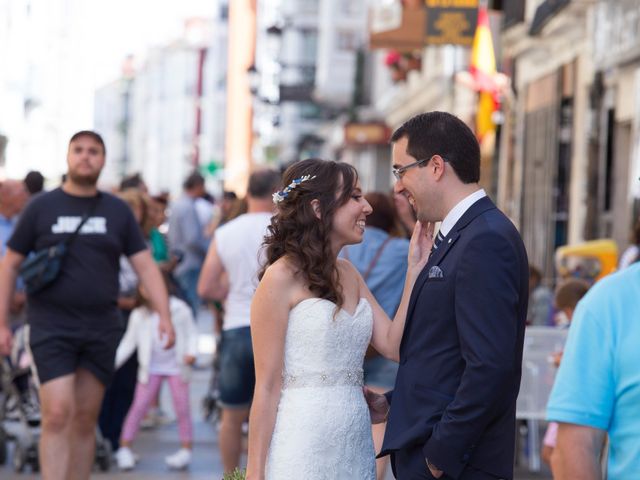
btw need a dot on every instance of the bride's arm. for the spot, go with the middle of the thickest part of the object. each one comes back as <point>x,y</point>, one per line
<point>269,316</point>
<point>387,334</point>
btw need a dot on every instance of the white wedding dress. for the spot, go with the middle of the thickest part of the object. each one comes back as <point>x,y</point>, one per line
<point>323,427</point>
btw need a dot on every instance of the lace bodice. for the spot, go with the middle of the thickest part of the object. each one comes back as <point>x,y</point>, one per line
<point>321,350</point>
<point>323,428</point>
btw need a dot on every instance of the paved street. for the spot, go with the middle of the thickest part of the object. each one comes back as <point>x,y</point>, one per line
<point>153,445</point>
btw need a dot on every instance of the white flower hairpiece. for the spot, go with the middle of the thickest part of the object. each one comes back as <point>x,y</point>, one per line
<point>280,196</point>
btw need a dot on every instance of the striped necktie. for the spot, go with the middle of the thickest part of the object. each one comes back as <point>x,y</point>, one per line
<point>437,241</point>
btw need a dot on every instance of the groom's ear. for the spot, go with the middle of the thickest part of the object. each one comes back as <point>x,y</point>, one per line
<point>315,204</point>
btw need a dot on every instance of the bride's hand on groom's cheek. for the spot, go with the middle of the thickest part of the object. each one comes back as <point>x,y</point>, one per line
<point>378,405</point>
<point>420,246</point>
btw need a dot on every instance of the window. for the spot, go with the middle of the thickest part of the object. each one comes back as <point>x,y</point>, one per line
<point>347,40</point>
<point>309,111</point>
<point>308,45</point>
<point>350,7</point>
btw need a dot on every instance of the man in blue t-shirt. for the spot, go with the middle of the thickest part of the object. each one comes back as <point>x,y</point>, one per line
<point>74,323</point>
<point>597,389</point>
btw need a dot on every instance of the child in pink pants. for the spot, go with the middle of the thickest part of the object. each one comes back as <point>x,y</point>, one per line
<point>157,364</point>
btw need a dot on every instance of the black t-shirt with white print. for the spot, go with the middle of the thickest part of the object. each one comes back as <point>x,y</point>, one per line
<point>87,287</point>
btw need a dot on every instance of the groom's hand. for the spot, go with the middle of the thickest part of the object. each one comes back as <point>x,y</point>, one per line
<point>433,469</point>
<point>378,405</point>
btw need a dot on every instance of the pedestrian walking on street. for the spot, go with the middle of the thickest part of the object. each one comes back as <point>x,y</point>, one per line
<point>452,411</point>
<point>540,307</point>
<point>34,181</point>
<point>187,238</point>
<point>119,394</point>
<point>230,274</point>
<point>74,320</point>
<point>13,197</point>
<point>156,363</point>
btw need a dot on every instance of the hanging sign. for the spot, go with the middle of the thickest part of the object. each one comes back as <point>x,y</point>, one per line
<point>451,21</point>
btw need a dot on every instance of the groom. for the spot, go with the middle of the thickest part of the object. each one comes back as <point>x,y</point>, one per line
<point>452,412</point>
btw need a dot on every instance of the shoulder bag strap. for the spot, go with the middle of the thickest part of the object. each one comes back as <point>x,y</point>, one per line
<point>375,259</point>
<point>85,217</point>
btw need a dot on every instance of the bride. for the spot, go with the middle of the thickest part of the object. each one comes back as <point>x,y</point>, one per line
<point>312,318</point>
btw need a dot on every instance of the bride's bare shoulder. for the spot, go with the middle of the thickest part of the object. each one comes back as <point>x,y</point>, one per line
<point>282,273</point>
<point>282,281</point>
<point>346,268</point>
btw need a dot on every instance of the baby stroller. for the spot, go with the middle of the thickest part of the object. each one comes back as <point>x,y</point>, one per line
<point>20,411</point>
<point>19,408</point>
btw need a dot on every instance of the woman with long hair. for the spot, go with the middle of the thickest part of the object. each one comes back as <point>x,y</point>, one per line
<point>312,318</point>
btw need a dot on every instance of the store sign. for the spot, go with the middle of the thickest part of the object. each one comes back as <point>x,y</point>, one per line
<point>366,134</point>
<point>451,21</point>
<point>401,30</point>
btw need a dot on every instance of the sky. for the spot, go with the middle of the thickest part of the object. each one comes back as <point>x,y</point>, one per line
<point>121,27</point>
<point>79,46</point>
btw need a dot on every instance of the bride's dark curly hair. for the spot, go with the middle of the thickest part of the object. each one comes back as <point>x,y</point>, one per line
<point>297,233</point>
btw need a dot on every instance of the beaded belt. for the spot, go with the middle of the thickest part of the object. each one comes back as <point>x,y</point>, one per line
<point>333,378</point>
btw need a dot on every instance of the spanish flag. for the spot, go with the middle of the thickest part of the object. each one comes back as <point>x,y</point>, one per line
<point>483,70</point>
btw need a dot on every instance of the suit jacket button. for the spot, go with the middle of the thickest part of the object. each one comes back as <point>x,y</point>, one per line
<point>465,457</point>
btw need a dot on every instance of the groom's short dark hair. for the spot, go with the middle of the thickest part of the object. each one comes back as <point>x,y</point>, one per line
<point>440,133</point>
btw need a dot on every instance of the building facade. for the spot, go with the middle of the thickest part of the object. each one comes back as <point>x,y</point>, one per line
<point>569,148</point>
<point>45,88</point>
<point>166,117</point>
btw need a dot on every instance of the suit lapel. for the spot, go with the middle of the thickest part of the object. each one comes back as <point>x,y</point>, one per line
<point>438,256</point>
<point>435,259</point>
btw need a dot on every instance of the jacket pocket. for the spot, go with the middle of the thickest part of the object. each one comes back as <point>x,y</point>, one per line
<point>434,280</point>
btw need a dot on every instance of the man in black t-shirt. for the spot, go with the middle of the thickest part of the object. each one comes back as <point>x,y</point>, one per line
<point>74,323</point>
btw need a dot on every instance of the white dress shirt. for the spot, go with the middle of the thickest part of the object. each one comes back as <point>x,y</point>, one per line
<point>456,212</point>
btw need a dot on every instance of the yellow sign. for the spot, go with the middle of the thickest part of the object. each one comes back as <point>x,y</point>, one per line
<point>452,3</point>
<point>451,21</point>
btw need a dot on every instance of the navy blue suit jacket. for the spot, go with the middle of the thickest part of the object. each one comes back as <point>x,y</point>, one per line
<point>461,352</point>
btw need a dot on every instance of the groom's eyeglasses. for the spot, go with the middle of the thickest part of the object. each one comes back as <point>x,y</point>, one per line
<point>399,172</point>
